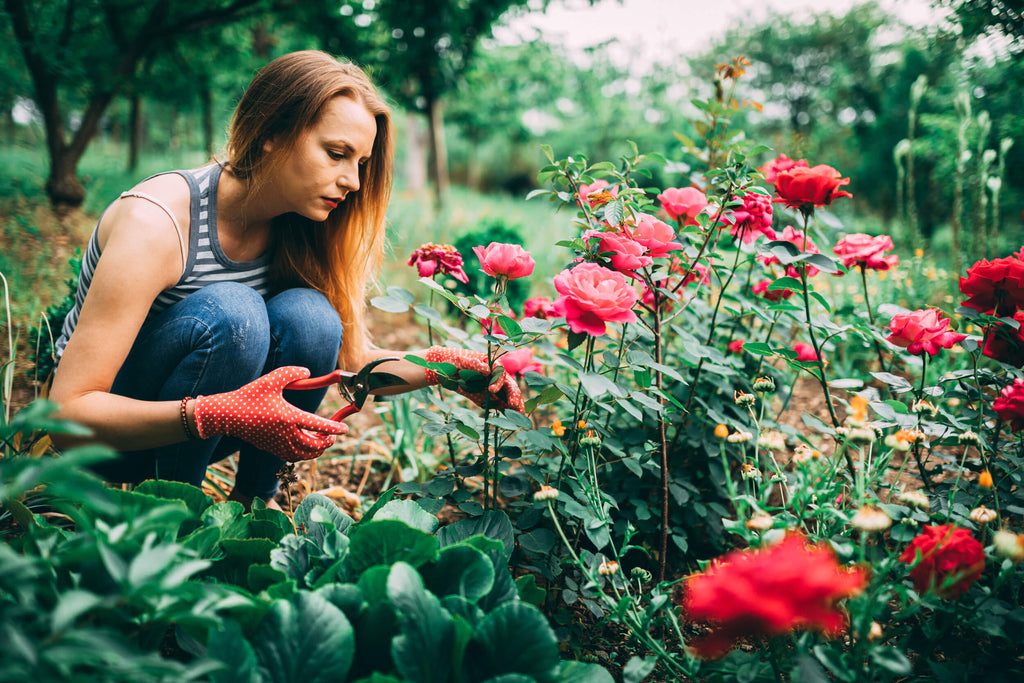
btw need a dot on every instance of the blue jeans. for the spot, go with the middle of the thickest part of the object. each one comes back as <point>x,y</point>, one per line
<point>215,340</point>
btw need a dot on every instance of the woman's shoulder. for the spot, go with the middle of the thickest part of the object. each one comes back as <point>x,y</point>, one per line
<point>153,214</point>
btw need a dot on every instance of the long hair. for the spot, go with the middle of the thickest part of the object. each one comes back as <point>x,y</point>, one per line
<point>342,255</point>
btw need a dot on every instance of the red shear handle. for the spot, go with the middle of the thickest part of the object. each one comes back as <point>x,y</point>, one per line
<point>317,382</point>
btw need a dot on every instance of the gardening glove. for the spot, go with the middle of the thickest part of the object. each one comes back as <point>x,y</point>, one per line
<point>258,414</point>
<point>504,393</point>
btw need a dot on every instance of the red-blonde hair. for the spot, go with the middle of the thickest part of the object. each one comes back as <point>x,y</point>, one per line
<point>341,256</point>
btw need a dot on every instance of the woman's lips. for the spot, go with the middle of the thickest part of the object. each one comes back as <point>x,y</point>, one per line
<point>331,202</point>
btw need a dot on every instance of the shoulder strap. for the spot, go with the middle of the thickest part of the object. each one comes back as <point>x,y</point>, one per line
<point>170,214</point>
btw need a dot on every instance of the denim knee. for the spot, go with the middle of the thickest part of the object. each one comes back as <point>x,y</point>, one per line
<point>234,323</point>
<point>305,330</point>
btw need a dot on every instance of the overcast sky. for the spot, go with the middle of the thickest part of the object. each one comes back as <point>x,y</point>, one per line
<point>664,28</point>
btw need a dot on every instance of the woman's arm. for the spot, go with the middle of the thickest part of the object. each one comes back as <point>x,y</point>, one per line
<point>140,258</point>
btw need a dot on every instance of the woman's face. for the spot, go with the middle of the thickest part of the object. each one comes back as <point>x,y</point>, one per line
<point>323,166</point>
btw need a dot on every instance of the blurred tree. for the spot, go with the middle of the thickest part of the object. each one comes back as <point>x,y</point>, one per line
<point>985,17</point>
<point>88,51</point>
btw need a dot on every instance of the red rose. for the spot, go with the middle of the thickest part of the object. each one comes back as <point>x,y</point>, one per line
<point>805,352</point>
<point>656,235</point>
<point>768,592</point>
<point>995,286</point>
<point>772,169</point>
<point>683,204</point>
<point>754,218</point>
<point>921,332</point>
<point>1006,344</point>
<point>736,345</point>
<point>1009,405</point>
<point>950,560</point>
<point>866,251</point>
<point>806,187</point>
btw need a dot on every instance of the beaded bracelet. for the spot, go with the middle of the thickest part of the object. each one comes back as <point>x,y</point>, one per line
<point>184,418</point>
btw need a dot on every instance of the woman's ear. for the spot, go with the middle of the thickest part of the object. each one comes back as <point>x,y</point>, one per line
<point>268,146</point>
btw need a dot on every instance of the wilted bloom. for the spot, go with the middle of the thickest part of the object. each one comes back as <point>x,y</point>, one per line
<point>983,515</point>
<point>772,169</point>
<point>985,479</point>
<point>804,188</point>
<point>656,235</point>
<point>520,361</point>
<point>1008,545</point>
<point>995,286</point>
<point>749,471</point>
<point>948,559</point>
<point>866,251</point>
<point>739,436</point>
<point>771,439</point>
<point>683,204</point>
<point>768,592</point>
<point>862,435</point>
<point>598,192</point>
<point>546,493</point>
<point>590,438</point>
<point>538,307</point>
<point>754,218</point>
<point>803,454</point>
<point>508,261</point>
<point>761,288</point>
<point>968,438</point>
<point>923,407</point>
<point>608,568</point>
<point>431,259</point>
<point>593,296</point>
<point>922,331</point>
<point>1009,405</point>
<point>917,499</point>
<point>805,352</point>
<point>871,519</point>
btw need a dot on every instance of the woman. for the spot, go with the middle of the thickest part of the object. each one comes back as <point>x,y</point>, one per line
<point>204,293</point>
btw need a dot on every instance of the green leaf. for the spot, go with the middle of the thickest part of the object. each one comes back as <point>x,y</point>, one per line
<point>232,649</point>
<point>409,512</point>
<point>304,639</point>
<point>581,672</point>
<point>388,541</point>
<point>514,638</point>
<point>71,605</point>
<point>494,524</point>
<point>460,570</point>
<point>758,349</point>
<point>822,262</point>
<point>638,668</point>
<point>892,660</point>
<point>529,591</point>
<point>382,500</point>
<point>784,283</point>
<point>422,651</point>
<point>193,497</point>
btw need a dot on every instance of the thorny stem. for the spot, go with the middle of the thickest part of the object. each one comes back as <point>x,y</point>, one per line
<point>871,316</point>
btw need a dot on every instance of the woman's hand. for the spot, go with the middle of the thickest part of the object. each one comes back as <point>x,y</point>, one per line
<point>258,414</point>
<point>504,393</point>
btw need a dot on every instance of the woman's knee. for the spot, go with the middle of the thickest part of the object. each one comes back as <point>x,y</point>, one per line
<point>305,328</point>
<point>234,318</point>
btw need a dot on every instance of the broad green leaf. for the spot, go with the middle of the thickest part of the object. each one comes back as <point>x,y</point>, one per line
<point>529,591</point>
<point>494,524</point>
<point>194,498</point>
<point>580,672</point>
<point>231,648</point>
<point>305,639</point>
<point>514,638</point>
<point>422,652</point>
<point>388,541</point>
<point>460,570</point>
<point>71,605</point>
<point>409,512</point>
<point>382,500</point>
<point>638,668</point>
<point>303,516</point>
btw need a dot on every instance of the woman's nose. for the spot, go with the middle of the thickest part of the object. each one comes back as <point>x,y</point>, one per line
<point>349,178</point>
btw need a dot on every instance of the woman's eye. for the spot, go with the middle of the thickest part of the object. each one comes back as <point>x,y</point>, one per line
<point>337,156</point>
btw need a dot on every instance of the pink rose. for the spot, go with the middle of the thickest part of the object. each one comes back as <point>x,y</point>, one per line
<point>509,261</point>
<point>772,169</point>
<point>626,253</point>
<point>656,235</point>
<point>592,296</point>
<point>923,331</point>
<point>866,251</point>
<point>736,345</point>
<point>805,352</point>
<point>598,192</point>
<point>519,361</point>
<point>683,204</point>
<point>800,240</point>
<point>754,218</point>
<point>538,307</point>
<point>430,258</point>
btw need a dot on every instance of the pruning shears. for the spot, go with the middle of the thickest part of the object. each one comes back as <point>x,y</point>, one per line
<point>354,386</point>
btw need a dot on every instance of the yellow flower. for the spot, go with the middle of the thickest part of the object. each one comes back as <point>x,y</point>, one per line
<point>721,431</point>
<point>919,253</point>
<point>985,479</point>
<point>582,424</point>
<point>557,429</point>
<point>859,408</point>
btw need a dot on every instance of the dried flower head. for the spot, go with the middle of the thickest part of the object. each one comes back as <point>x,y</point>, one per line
<point>917,499</point>
<point>983,515</point>
<point>871,519</point>
<point>764,385</point>
<point>1009,545</point>
<point>748,471</point>
<point>968,438</point>
<point>608,568</point>
<point>760,522</point>
<point>803,454</point>
<point>862,435</point>
<point>925,408</point>
<point>771,439</point>
<point>432,259</point>
<point>546,493</point>
<point>740,437</point>
<point>744,399</point>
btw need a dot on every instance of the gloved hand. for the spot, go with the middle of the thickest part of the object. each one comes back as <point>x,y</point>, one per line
<point>258,414</point>
<point>504,393</point>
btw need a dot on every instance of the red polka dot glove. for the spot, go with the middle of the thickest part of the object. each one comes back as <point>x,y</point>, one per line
<point>258,414</point>
<point>504,392</point>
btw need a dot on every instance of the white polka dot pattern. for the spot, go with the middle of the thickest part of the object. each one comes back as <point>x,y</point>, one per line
<point>258,414</point>
<point>505,392</point>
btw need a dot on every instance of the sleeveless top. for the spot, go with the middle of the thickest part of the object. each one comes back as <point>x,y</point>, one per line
<point>206,262</point>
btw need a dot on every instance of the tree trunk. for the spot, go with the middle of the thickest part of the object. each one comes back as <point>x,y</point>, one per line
<point>438,152</point>
<point>63,187</point>
<point>206,99</point>
<point>415,157</point>
<point>135,128</point>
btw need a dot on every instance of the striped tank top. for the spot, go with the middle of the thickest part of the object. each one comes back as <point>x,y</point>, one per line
<point>206,262</point>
